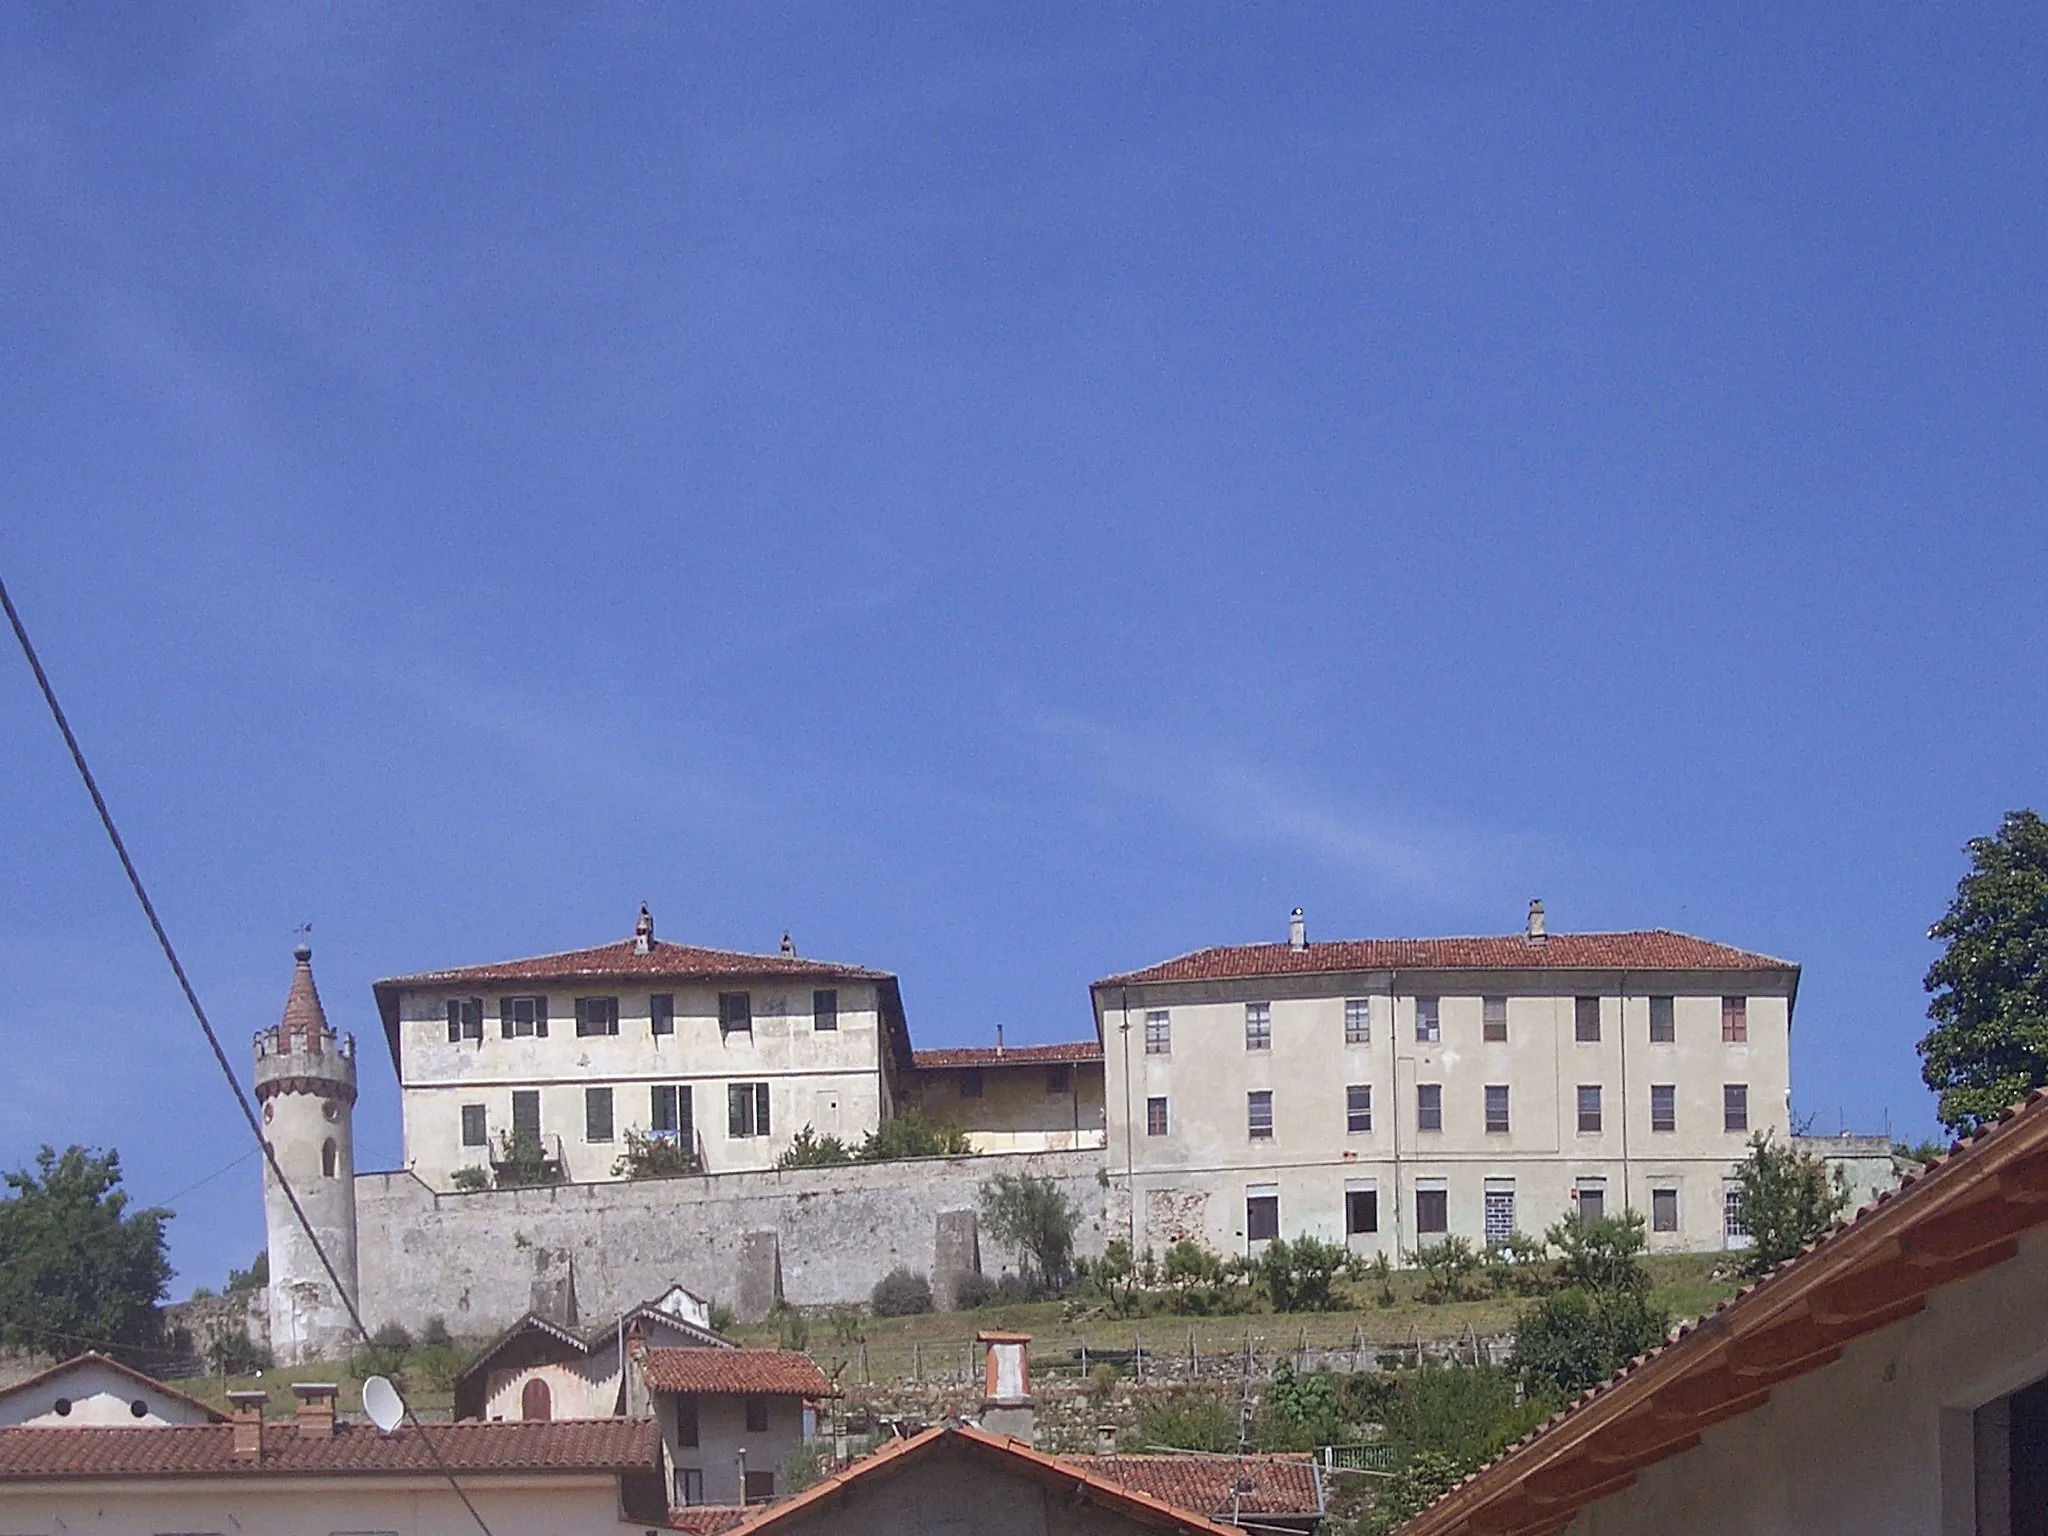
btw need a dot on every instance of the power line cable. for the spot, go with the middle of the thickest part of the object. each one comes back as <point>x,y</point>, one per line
<point>163,939</point>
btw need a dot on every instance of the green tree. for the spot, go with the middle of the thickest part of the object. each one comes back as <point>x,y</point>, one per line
<point>807,1149</point>
<point>1989,990</point>
<point>1297,1276</point>
<point>911,1135</point>
<point>78,1269</point>
<point>1034,1216</point>
<point>1575,1339</point>
<point>1788,1200</point>
<point>254,1278</point>
<point>1602,1256</point>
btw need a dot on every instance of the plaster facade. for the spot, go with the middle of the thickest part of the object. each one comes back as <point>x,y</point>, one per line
<point>1011,1105</point>
<point>91,1392</point>
<point>715,1468</point>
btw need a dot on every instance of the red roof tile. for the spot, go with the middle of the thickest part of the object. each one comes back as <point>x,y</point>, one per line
<point>206,1450</point>
<point>1008,1056</point>
<point>662,961</point>
<point>1656,949</point>
<point>1215,1485</point>
<point>757,1372</point>
<point>708,1519</point>
<point>42,1379</point>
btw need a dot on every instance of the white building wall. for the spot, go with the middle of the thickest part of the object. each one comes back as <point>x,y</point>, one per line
<point>95,1395</point>
<point>562,1505</point>
<point>1194,1179</point>
<point>722,1434</point>
<point>1880,1441</point>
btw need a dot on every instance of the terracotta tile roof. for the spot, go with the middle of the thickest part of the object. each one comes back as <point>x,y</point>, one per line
<point>1962,1216</point>
<point>1214,1485</point>
<point>756,1372</point>
<point>206,1450</point>
<point>43,1379</point>
<point>974,1447</point>
<point>708,1519</point>
<point>1656,949</point>
<point>302,1011</point>
<point>1008,1056</point>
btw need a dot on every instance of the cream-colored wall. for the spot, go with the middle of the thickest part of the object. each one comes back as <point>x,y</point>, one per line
<point>580,1389</point>
<point>831,1079</point>
<point>1015,1113</point>
<point>1194,1180</point>
<point>567,1504</point>
<point>1880,1441</point>
<point>722,1433</point>
<point>98,1395</point>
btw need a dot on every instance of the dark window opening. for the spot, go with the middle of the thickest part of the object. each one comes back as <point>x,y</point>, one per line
<point>475,1132</point>
<point>661,1013</point>
<point>757,1415</point>
<point>465,1019</point>
<point>1663,1210</point>
<point>597,1015</point>
<point>1663,1021</point>
<point>736,1013</point>
<point>1589,1108</point>
<point>746,1110</point>
<point>1155,1117</point>
<point>1261,1218</point>
<point>1358,1109</point>
<point>1059,1078</point>
<point>1432,1210</point>
<point>526,1115</point>
<point>1496,1109</point>
<point>686,1422</point>
<point>1585,1019</point>
<point>1259,1115</point>
<point>1494,1020</point>
<point>1361,1211</point>
<point>518,1016</point>
<point>825,1008</point>
<point>597,1114</point>
<point>1663,1107</point>
<point>971,1083</point>
<point>1429,1106</point>
<point>1735,1106</point>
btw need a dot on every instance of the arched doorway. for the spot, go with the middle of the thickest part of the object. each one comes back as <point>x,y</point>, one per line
<point>536,1403</point>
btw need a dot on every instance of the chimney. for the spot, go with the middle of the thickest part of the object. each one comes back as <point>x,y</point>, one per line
<point>999,1040</point>
<point>1538,933</point>
<point>315,1417</point>
<point>643,932</point>
<point>1105,1439</point>
<point>248,1424</point>
<point>1006,1407</point>
<point>1297,931</point>
<point>788,945</point>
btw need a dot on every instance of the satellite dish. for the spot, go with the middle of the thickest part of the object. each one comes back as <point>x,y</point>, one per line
<point>382,1403</point>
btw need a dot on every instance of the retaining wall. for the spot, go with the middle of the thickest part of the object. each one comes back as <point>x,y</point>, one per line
<point>813,1236</point>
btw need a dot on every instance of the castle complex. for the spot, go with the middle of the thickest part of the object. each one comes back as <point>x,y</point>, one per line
<point>1382,1094</point>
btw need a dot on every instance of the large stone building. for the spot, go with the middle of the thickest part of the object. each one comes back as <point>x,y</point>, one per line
<point>1388,1093</point>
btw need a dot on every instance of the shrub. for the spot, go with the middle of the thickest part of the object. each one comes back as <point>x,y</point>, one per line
<point>1301,1411</point>
<point>1034,1216</point>
<point>807,1149</point>
<point>1298,1275</point>
<point>1518,1264</point>
<point>1449,1269</point>
<point>799,1469</point>
<point>901,1293</point>
<point>523,1161</point>
<point>1577,1339</point>
<point>392,1336</point>
<point>720,1317</point>
<point>1788,1200</point>
<point>971,1289</point>
<point>655,1157</point>
<point>911,1135</point>
<point>470,1179</point>
<point>1603,1256</point>
<point>846,1325</point>
<point>231,1352</point>
<point>435,1335</point>
<point>438,1364</point>
<point>1192,1421</point>
<point>1423,1479</point>
<point>254,1278</point>
<point>1115,1275</point>
<point>1102,1381</point>
<point>1467,1413</point>
<point>792,1328</point>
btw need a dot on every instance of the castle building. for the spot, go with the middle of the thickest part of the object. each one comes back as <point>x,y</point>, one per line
<point>556,1068</point>
<point>306,1089</point>
<point>1389,1093</point>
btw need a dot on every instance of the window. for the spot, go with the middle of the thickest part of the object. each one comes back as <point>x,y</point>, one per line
<point>686,1423</point>
<point>1493,1015</point>
<point>1589,1107</point>
<point>757,1488</point>
<point>1663,1026</point>
<point>661,1013</point>
<point>536,1402</point>
<point>1158,1033</point>
<point>1586,1019</point>
<point>669,1112</point>
<point>597,1016</point>
<point>1733,1228</point>
<point>1500,1212</point>
<point>735,1013</point>
<point>1259,1115</point>
<point>1261,1217</point>
<point>1429,1106</point>
<point>1155,1117</point>
<point>757,1415</point>
<point>970,1083</point>
<point>597,1114</point>
<point>1358,1108</point>
<point>1361,1211</point>
<point>522,1016</point>
<point>1427,1027</point>
<point>1734,1020</point>
<point>1592,1199</point>
<point>1258,1026</point>
<point>689,1480</point>
<point>1735,1106</point>
<point>824,1009</point>
<point>1432,1211</point>
<point>1357,1021</point>
<point>1496,1109</point>
<point>1059,1078</point>
<point>1663,1107</point>
<point>1663,1210</point>
<point>746,1110</point>
<point>474,1132</point>
<point>465,1019</point>
<point>330,1158</point>
<point>526,1115</point>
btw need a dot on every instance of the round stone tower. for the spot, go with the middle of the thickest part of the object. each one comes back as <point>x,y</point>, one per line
<point>306,1090</point>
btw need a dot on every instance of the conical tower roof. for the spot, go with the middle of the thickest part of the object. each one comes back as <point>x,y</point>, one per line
<point>303,1014</point>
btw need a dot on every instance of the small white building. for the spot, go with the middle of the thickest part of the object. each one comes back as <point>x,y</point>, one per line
<point>92,1389</point>
<point>729,1418</point>
<point>1893,1378</point>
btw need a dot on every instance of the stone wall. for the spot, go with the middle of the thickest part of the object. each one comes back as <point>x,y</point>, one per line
<point>812,1236</point>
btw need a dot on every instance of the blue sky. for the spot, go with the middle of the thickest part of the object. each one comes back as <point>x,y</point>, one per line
<point>1005,497</point>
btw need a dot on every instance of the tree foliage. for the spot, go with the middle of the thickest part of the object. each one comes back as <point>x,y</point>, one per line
<point>1034,1216</point>
<point>911,1135</point>
<point>254,1278</point>
<point>1600,1320</point>
<point>1788,1200</point>
<point>1602,1256</point>
<point>1989,990</point>
<point>1298,1276</point>
<point>901,1293</point>
<point>808,1149</point>
<point>79,1269</point>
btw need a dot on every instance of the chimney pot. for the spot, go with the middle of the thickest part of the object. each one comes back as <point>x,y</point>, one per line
<point>643,932</point>
<point>247,1417</point>
<point>315,1417</point>
<point>1006,1406</point>
<point>788,945</point>
<point>1105,1439</point>
<point>1539,933</point>
<point>1297,931</point>
<point>999,1039</point>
